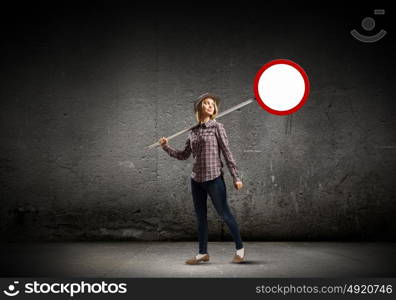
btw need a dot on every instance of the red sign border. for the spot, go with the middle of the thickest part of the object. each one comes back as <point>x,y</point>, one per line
<point>299,69</point>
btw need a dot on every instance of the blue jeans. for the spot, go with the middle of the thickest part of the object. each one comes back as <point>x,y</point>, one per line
<point>216,189</point>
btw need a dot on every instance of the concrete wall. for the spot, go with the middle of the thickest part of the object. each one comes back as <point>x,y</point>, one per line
<point>86,89</point>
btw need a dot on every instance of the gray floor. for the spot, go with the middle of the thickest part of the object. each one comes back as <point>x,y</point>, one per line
<point>166,259</point>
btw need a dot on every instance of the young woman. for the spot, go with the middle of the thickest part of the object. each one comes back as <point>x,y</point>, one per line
<point>205,141</point>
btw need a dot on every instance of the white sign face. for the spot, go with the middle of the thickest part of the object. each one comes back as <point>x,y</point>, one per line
<point>281,87</point>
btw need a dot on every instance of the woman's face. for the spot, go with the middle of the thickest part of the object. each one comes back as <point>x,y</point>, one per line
<point>207,107</point>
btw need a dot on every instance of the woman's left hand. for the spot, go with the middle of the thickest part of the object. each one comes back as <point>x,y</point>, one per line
<point>238,185</point>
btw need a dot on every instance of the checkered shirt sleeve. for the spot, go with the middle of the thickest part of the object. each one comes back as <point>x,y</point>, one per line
<point>225,149</point>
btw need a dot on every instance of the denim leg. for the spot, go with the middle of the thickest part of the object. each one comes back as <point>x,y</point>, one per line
<point>200,198</point>
<point>218,193</point>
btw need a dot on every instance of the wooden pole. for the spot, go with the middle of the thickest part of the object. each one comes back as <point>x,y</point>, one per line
<point>226,112</point>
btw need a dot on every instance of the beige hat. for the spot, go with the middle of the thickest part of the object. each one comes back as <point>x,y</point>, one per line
<point>203,97</point>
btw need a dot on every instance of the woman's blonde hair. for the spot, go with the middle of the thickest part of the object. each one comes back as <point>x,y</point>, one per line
<point>199,108</point>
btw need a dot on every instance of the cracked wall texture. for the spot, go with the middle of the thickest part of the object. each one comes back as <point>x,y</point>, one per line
<point>86,89</point>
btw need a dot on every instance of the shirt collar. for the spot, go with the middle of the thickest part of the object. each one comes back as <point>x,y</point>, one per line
<point>209,123</point>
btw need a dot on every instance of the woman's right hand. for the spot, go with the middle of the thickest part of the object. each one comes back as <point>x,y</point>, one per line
<point>163,141</point>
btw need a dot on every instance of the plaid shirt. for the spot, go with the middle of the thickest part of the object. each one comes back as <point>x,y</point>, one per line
<point>204,141</point>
